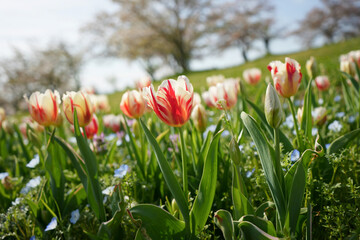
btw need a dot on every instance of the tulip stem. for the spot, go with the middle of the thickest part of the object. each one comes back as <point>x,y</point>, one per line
<point>184,162</point>
<point>277,156</point>
<point>300,145</point>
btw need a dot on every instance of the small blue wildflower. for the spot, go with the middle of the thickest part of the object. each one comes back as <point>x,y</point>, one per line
<point>289,121</point>
<point>32,238</point>
<point>352,119</point>
<point>225,133</point>
<point>321,101</point>
<point>121,171</point>
<point>241,147</point>
<point>295,155</point>
<point>340,114</point>
<point>108,190</point>
<point>335,126</point>
<point>250,173</point>
<point>75,215</point>
<point>314,131</point>
<point>127,138</point>
<point>16,202</point>
<point>297,103</point>
<point>34,162</point>
<point>31,184</point>
<point>337,98</point>
<point>327,145</point>
<point>52,225</point>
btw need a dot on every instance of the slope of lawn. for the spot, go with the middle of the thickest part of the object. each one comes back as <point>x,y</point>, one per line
<point>327,58</point>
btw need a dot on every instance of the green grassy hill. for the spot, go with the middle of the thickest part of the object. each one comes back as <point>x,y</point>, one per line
<point>327,58</point>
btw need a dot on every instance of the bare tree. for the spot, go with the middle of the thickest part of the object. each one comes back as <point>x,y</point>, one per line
<point>242,22</point>
<point>55,67</point>
<point>167,31</point>
<point>335,20</point>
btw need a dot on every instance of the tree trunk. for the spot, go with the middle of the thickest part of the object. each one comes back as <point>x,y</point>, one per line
<point>267,45</point>
<point>244,54</point>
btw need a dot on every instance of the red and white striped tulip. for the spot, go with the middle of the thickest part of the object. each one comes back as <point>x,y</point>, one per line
<point>287,76</point>
<point>223,95</point>
<point>133,104</point>
<point>213,80</point>
<point>82,103</point>
<point>92,128</point>
<point>252,76</point>
<point>173,101</point>
<point>44,107</point>
<point>198,115</point>
<point>143,82</point>
<point>100,103</point>
<point>113,122</point>
<point>322,83</point>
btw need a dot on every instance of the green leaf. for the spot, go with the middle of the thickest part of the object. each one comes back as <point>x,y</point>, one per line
<point>263,207</point>
<point>156,223</point>
<point>261,223</point>
<point>343,141</point>
<point>295,197</point>
<point>111,152</point>
<point>206,192</point>
<point>348,97</point>
<point>242,206</point>
<point>352,79</point>
<point>169,176</point>
<point>94,192</point>
<point>266,153</point>
<point>287,146</point>
<point>76,161</point>
<point>252,232</point>
<point>23,147</point>
<point>306,121</point>
<point>224,221</point>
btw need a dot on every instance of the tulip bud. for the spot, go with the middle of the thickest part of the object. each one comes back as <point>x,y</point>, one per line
<point>81,102</point>
<point>311,67</point>
<point>6,182</point>
<point>348,67</point>
<point>235,153</point>
<point>319,115</point>
<point>8,127</point>
<point>198,115</point>
<point>196,100</point>
<point>273,110</point>
<point>44,107</point>
<point>300,114</point>
<point>252,76</point>
<point>287,76</point>
<point>92,128</point>
<point>132,104</point>
<point>322,83</point>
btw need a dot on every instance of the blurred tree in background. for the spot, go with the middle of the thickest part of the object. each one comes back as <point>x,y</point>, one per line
<point>173,32</point>
<point>56,66</point>
<point>335,20</point>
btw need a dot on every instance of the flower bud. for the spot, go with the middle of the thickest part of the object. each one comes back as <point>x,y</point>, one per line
<point>81,102</point>
<point>132,104</point>
<point>300,114</point>
<point>235,153</point>
<point>198,115</point>
<point>319,115</point>
<point>273,110</point>
<point>322,83</point>
<point>311,67</point>
<point>8,127</point>
<point>252,76</point>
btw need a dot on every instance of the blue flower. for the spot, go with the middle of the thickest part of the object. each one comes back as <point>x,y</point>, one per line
<point>327,145</point>
<point>314,131</point>
<point>295,155</point>
<point>352,119</point>
<point>16,202</point>
<point>320,101</point>
<point>108,190</point>
<point>31,184</point>
<point>337,98</point>
<point>241,147</point>
<point>289,122</point>
<point>335,126</point>
<point>3,175</point>
<point>225,133</point>
<point>121,171</point>
<point>75,215</point>
<point>249,173</point>
<point>32,238</point>
<point>34,162</point>
<point>52,225</point>
<point>340,114</point>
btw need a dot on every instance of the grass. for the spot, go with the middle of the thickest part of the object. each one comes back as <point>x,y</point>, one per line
<point>327,58</point>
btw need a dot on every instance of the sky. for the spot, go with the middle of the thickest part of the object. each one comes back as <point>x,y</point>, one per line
<point>25,23</point>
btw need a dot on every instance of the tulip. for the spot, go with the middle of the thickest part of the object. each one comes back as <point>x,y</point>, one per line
<point>319,115</point>
<point>143,82</point>
<point>115,123</point>
<point>88,90</point>
<point>100,103</point>
<point>223,95</point>
<point>132,104</point>
<point>287,76</point>
<point>173,101</point>
<point>197,99</point>
<point>322,83</point>
<point>92,128</point>
<point>252,76</point>
<point>300,114</point>
<point>44,107</point>
<point>311,67</point>
<point>198,115</point>
<point>213,80</point>
<point>7,126</point>
<point>355,57</point>
<point>347,66</point>
<point>273,110</point>
<point>82,103</point>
